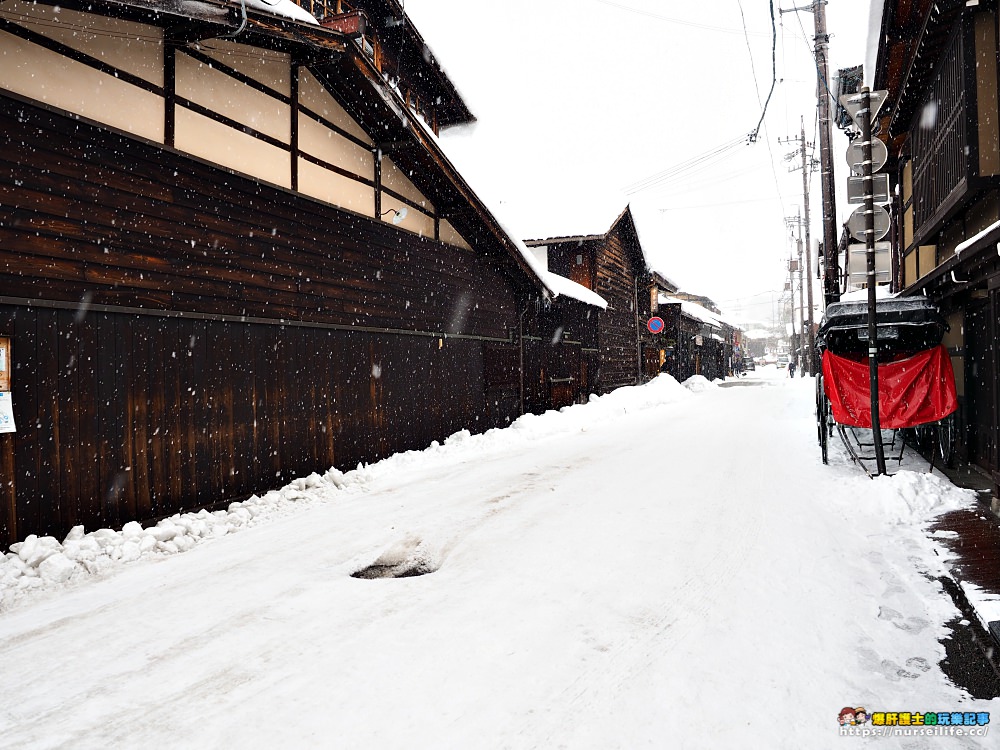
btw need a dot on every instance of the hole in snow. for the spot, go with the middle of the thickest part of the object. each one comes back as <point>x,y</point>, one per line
<point>377,570</point>
<point>404,559</point>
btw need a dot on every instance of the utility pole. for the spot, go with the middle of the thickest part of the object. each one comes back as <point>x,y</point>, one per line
<point>831,284</point>
<point>793,266</point>
<point>821,44</point>
<point>808,363</point>
<point>791,307</point>
<point>806,169</point>
<point>800,357</point>
<point>865,116</point>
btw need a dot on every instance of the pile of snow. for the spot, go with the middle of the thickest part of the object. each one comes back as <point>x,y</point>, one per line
<point>912,498</point>
<point>39,563</point>
<point>699,383</point>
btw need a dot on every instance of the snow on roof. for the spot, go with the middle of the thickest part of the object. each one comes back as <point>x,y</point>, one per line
<point>693,310</point>
<point>537,267</point>
<point>595,225</point>
<point>645,244</point>
<point>569,288</point>
<point>578,221</point>
<point>727,320</point>
<point>285,8</point>
<point>861,295</point>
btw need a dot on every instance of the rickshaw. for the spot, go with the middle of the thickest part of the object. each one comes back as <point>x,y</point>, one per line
<point>917,399</point>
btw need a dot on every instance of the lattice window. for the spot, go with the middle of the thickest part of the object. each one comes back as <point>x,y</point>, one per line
<point>939,135</point>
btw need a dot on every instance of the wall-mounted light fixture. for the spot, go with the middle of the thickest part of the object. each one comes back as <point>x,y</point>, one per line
<point>398,214</point>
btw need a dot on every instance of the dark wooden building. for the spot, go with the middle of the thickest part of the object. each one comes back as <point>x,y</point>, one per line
<point>560,348</point>
<point>695,340</point>
<point>232,253</point>
<point>941,121</point>
<point>614,266</point>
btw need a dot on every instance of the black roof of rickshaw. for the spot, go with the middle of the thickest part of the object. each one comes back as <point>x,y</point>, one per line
<point>918,318</point>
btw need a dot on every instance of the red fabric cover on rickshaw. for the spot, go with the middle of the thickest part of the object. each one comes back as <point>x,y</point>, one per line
<point>912,391</point>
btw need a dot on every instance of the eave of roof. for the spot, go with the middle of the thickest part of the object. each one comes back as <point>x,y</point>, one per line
<point>452,109</point>
<point>209,19</point>
<point>325,48</point>
<point>401,126</point>
<point>565,240</point>
<point>581,238</point>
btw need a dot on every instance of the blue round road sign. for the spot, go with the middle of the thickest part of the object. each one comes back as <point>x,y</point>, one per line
<point>655,325</point>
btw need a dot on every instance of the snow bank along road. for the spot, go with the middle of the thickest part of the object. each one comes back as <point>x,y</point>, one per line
<point>662,567</point>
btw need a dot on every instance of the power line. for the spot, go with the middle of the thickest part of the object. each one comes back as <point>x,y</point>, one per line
<point>746,36</point>
<point>774,76</point>
<point>712,156</point>
<point>774,69</point>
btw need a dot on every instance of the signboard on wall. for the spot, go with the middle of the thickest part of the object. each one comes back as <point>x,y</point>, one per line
<point>6,412</point>
<point>6,403</point>
<point>5,366</point>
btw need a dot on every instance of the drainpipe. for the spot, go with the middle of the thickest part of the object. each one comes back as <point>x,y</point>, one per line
<point>520,343</point>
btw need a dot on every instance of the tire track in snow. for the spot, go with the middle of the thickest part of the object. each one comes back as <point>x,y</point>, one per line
<point>677,613</point>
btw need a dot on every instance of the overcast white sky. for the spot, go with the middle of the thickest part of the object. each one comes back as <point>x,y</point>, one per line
<point>577,101</point>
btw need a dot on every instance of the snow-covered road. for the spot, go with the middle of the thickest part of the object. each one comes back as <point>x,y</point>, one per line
<point>663,567</point>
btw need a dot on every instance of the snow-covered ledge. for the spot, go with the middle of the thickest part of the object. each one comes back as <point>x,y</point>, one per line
<point>285,8</point>
<point>974,240</point>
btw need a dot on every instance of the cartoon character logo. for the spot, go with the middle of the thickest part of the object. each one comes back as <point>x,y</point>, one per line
<point>846,717</point>
<point>860,715</point>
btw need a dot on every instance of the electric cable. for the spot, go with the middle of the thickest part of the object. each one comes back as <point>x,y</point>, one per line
<point>774,76</point>
<point>774,72</point>
<point>708,158</point>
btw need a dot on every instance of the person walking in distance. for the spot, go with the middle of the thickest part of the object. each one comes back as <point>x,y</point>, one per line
<point>791,368</point>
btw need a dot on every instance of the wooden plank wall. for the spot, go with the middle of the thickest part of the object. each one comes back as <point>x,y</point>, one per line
<point>560,343</point>
<point>127,415</point>
<point>124,417</point>
<point>614,271</point>
<point>620,282</point>
<point>135,224</point>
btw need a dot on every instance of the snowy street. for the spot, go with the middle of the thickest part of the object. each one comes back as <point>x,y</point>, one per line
<point>662,567</point>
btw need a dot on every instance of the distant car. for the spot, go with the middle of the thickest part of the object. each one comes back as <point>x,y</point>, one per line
<point>749,364</point>
<point>783,360</point>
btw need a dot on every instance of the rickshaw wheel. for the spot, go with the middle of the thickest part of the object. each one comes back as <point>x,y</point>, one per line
<point>946,438</point>
<point>822,424</point>
<point>824,437</point>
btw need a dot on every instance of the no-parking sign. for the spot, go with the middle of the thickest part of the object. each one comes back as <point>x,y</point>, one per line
<point>655,325</point>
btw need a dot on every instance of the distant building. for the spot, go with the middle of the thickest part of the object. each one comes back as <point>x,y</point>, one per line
<point>613,265</point>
